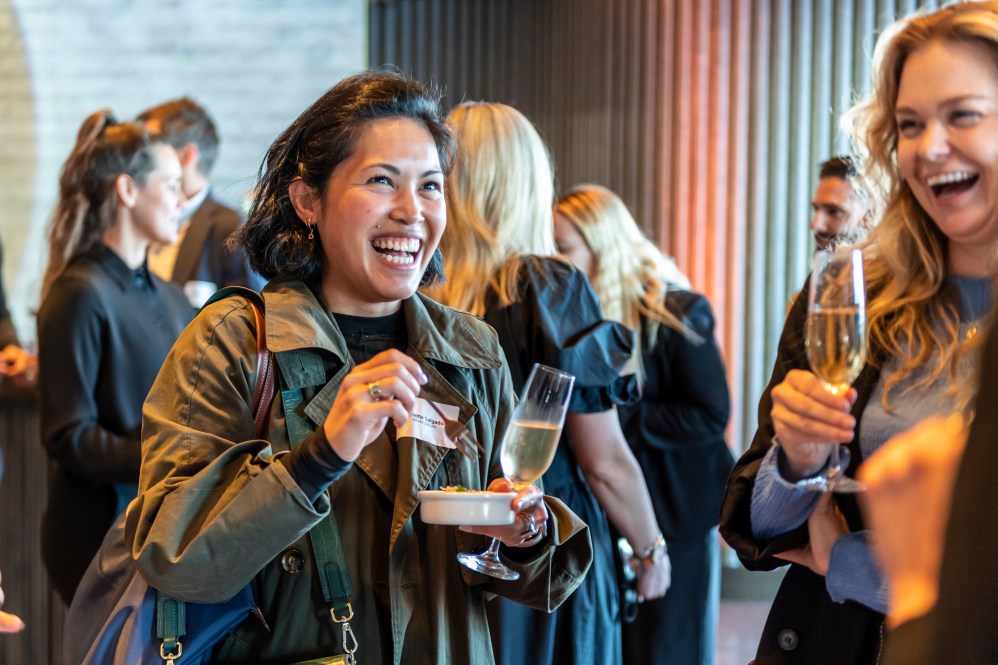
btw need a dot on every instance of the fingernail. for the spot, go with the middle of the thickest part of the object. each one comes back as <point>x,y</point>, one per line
<point>422,376</point>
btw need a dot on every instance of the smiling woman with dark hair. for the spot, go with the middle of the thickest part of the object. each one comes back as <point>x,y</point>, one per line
<point>345,223</point>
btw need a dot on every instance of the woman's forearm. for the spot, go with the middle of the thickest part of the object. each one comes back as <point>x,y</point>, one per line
<point>614,476</point>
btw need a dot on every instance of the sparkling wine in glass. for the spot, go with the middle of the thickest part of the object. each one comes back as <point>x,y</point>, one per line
<point>528,448</point>
<point>836,342</point>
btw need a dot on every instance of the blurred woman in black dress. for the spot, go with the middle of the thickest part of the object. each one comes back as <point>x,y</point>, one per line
<point>676,429</point>
<point>104,327</point>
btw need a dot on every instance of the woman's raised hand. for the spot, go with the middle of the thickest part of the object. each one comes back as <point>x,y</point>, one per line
<point>386,386</point>
<point>807,417</point>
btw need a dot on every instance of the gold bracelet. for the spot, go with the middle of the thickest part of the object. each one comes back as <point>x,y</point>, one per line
<point>655,553</point>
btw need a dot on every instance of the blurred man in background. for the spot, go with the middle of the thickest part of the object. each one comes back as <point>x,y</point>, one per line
<point>200,261</point>
<point>842,204</point>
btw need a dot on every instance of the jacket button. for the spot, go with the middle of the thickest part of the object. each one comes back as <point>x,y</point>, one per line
<point>787,639</point>
<point>292,561</point>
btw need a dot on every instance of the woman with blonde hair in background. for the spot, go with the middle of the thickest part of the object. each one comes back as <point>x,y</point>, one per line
<point>104,327</point>
<point>499,258</point>
<point>930,127</point>
<point>676,429</point>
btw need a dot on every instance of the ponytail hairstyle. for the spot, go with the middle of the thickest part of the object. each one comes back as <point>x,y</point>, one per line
<point>88,205</point>
<point>320,139</point>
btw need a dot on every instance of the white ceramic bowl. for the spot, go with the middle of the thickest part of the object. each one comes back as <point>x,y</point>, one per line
<point>475,508</point>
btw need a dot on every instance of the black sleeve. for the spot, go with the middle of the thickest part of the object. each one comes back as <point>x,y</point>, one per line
<point>736,523</point>
<point>571,334</point>
<point>695,404</point>
<point>71,326</point>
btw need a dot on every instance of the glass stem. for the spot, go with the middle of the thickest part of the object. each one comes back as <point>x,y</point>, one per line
<point>834,464</point>
<point>492,554</point>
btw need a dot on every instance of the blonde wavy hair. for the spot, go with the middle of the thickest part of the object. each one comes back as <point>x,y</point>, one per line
<point>499,198</point>
<point>906,253</point>
<point>632,276</point>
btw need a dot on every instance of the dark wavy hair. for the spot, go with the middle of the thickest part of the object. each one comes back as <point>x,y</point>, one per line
<point>105,149</point>
<point>324,135</point>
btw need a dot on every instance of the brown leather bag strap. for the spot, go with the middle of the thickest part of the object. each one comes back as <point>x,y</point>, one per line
<point>263,391</point>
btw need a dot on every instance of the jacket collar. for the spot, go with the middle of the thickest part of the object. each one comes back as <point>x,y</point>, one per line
<point>116,268</point>
<point>296,320</point>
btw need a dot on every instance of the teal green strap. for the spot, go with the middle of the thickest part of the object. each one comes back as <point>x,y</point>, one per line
<point>327,546</point>
<point>171,625</point>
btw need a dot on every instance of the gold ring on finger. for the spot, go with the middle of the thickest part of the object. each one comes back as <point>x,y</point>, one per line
<point>374,390</point>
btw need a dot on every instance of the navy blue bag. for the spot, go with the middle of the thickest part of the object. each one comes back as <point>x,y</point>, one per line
<point>112,620</point>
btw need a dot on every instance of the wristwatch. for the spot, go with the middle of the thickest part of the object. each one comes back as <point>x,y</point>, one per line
<point>655,553</point>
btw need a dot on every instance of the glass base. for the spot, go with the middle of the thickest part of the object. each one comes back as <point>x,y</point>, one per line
<point>832,480</point>
<point>482,563</point>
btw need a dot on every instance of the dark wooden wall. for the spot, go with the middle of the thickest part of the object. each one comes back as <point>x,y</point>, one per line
<point>22,501</point>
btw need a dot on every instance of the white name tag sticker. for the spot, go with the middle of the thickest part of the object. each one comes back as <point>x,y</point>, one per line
<point>425,423</point>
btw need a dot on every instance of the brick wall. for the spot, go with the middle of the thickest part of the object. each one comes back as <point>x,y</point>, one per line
<point>255,64</point>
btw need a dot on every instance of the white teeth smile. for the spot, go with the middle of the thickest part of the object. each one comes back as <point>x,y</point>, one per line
<point>408,247</point>
<point>948,178</point>
<point>404,260</point>
<point>399,245</point>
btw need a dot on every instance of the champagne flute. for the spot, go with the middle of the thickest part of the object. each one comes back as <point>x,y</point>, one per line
<point>528,448</point>
<point>836,342</point>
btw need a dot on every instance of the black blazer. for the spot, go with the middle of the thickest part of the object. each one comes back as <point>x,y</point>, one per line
<point>676,429</point>
<point>202,254</point>
<point>805,626</point>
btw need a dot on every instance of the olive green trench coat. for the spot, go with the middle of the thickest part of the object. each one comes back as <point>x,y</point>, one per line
<point>216,511</point>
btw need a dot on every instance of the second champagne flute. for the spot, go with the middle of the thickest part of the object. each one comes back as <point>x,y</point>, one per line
<point>528,448</point>
<point>836,342</point>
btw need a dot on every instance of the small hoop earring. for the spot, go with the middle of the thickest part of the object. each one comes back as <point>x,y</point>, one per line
<point>311,229</point>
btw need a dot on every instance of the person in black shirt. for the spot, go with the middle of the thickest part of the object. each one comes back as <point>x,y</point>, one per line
<point>104,327</point>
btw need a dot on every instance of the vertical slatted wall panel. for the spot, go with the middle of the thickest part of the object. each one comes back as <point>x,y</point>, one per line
<point>709,117</point>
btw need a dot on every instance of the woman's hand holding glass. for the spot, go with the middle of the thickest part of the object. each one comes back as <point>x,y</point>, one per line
<point>810,410</point>
<point>386,386</point>
<point>528,447</point>
<point>531,523</point>
<point>805,411</point>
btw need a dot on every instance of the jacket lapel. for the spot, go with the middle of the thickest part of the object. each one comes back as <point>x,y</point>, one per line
<point>192,246</point>
<point>432,339</point>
